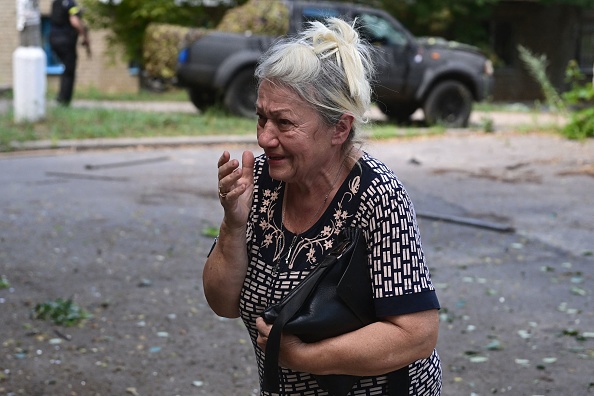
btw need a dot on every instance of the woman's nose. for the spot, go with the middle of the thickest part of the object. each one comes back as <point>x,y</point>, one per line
<point>267,136</point>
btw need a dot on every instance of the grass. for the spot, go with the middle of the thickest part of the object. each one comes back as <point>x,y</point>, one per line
<point>83,123</point>
<point>78,123</point>
<point>88,123</point>
<point>4,283</point>
<point>381,131</point>
<point>171,95</point>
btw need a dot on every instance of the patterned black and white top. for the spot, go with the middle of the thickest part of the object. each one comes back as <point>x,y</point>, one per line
<point>373,199</point>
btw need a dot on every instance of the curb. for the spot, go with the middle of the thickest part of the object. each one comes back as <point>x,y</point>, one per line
<point>118,143</point>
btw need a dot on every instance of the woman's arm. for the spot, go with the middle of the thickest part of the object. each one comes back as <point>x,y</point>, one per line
<point>376,349</point>
<point>224,272</point>
<point>225,268</point>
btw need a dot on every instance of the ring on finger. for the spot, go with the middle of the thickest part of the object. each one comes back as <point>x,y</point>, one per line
<point>222,195</point>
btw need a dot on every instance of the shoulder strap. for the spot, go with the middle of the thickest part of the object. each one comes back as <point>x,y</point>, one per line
<point>398,382</point>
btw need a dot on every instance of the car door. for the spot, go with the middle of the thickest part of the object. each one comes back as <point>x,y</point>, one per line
<point>393,52</point>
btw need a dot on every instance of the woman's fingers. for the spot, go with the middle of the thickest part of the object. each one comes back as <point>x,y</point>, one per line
<point>233,180</point>
<point>228,174</point>
<point>229,185</point>
<point>224,158</point>
<point>247,166</point>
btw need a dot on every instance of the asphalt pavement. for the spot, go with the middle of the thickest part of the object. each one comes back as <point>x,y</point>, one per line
<point>468,149</point>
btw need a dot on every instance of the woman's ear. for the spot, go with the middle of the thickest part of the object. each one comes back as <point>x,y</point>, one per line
<point>343,128</point>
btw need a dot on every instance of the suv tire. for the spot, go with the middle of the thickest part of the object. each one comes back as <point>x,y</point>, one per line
<point>449,104</point>
<point>241,94</point>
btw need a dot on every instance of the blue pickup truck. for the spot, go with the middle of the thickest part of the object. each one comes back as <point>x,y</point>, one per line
<point>442,78</point>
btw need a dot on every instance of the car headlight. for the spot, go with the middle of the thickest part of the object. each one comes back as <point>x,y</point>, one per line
<point>488,68</point>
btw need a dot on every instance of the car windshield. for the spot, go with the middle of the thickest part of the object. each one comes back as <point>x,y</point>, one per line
<point>317,14</point>
<point>377,30</point>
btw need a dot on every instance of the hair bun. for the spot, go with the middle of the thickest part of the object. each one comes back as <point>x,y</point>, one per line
<point>339,38</point>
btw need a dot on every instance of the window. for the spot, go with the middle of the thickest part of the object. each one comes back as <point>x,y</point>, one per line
<point>377,30</point>
<point>53,66</point>
<point>311,14</point>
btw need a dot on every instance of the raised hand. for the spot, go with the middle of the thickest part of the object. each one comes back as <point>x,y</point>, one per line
<point>236,185</point>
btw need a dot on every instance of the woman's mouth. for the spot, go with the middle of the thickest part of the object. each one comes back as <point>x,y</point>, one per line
<point>274,158</point>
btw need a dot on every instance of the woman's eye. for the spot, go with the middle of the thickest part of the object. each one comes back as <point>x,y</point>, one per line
<point>285,124</point>
<point>262,120</point>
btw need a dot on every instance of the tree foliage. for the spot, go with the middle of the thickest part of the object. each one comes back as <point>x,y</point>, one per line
<point>461,20</point>
<point>127,20</point>
<point>577,3</point>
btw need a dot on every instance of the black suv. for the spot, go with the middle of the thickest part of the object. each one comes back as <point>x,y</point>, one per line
<point>441,77</point>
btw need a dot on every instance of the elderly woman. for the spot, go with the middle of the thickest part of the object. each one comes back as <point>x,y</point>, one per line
<point>284,209</point>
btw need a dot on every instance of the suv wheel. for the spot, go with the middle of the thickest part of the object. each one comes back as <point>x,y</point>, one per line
<point>449,104</point>
<point>241,94</point>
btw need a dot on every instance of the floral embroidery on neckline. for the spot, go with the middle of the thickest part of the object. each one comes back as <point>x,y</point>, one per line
<point>274,236</point>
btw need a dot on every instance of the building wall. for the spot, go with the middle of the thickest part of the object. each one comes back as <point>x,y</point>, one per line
<point>100,71</point>
<point>549,30</point>
<point>9,42</point>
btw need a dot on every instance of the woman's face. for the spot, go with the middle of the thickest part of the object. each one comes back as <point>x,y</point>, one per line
<point>298,144</point>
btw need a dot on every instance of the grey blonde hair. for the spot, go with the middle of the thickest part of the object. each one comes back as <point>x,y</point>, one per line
<point>327,65</point>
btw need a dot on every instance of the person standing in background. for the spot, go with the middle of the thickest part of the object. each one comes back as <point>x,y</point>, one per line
<point>66,25</point>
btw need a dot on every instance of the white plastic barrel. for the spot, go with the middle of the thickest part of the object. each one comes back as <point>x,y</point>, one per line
<point>29,83</point>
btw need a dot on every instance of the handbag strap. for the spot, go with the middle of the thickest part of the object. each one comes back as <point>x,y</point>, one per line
<point>271,372</point>
<point>398,382</point>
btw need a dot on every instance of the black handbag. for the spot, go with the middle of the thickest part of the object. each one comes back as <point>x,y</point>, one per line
<point>334,299</point>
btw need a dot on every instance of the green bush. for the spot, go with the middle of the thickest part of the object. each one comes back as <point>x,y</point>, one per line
<point>162,42</point>
<point>580,99</point>
<point>257,17</point>
<point>125,22</point>
<point>161,46</point>
<point>581,124</point>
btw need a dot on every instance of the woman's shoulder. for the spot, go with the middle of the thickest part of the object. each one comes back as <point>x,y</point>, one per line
<point>375,172</point>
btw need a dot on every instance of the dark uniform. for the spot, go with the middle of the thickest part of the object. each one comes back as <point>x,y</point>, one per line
<point>63,39</point>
